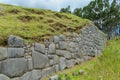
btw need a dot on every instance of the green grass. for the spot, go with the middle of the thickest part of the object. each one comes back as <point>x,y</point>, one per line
<point>104,67</point>
<point>36,24</point>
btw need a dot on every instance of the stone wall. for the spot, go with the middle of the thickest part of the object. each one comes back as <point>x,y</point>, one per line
<point>21,61</point>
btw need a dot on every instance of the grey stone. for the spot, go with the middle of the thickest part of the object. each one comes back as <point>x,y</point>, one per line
<point>56,39</point>
<point>3,53</point>
<point>50,56</point>
<point>15,41</point>
<point>62,63</point>
<point>47,72</point>
<point>64,53</point>
<point>56,59</point>
<point>4,77</point>
<point>36,75</point>
<point>0,66</point>
<point>62,45</point>
<point>33,75</point>
<point>15,52</point>
<point>39,60</point>
<point>69,63</point>
<point>14,67</point>
<point>30,63</point>
<point>54,77</point>
<point>40,48</point>
<point>62,37</point>
<point>57,68</point>
<point>51,62</point>
<point>26,76</point>
<point>15,78</point>
<point>52,49</point>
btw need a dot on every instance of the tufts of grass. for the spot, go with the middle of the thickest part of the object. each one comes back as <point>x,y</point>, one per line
<point>36,24</point>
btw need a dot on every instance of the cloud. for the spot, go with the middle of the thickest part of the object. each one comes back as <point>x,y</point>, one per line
<point>48,4</point>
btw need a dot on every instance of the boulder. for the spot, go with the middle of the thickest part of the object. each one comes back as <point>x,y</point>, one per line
<point>64,53</point>
<point>14,67</point>
<point>62,37</point>
<point>40,48</point>
<point>62,45</point>
<point>4,77</point>
<point>62,63</point>
<point>3,53</point>
<point>15,52</point>
<point>15,41</point>
<point>52,49</point>
<point>39,60</point>
<point>56,39</point>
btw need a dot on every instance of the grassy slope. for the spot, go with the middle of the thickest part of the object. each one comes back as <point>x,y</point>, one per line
<point>105,67</point>
<point>36,24</point>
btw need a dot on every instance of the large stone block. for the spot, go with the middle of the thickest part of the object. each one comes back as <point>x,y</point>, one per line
<point>3,53</point>
<point>52,49</point>
<point>62,45</point>
<point>56,59</point>
<point>15,52</point>
<point>39,60</point>
<point>14,67</point>
<point>40,48</point>
<point>15,41</point>
<point>3,77</point>
<point>64,53</point>
<point>62,63</point>
<point>56,39</point>
<point>33,75</point>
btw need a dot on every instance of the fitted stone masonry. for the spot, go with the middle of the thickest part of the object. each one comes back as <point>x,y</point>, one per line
<point>21,61</point>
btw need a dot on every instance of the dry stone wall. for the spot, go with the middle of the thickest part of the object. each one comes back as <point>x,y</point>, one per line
<point>21,61</point>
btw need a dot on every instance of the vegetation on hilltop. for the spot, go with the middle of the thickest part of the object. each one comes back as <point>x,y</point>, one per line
<point>36,24</point>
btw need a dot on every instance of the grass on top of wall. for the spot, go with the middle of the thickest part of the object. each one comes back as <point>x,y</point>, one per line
<point>36,24</point>
<point>104,67</point>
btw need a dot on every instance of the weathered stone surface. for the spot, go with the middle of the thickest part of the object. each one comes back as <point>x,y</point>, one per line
<point>0,66</point>
<point>54,77</point>
<point>36,75</point>
<point>56,39</point>
<point>15,78</point>
<point>14,67</point>
<point>52,49</point>
<point>30,63</point>
<point>62,63</point>
<point>51,62</point>
<point>62,37</point>
<point>3,77</point>
<point>64,53</point>
<point>62,45</point>
<point>33,75</point>
<point>40,48</point>
<point>57,68</point>
<point>69,63</point>
<point>15,52</point>
<point>55,59</point>
<point>15,41</point>
<point>39,60</point>
<point>3,53</point>
<point>46,72</point>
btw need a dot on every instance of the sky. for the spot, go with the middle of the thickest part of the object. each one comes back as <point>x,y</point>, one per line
<point>55,5</point>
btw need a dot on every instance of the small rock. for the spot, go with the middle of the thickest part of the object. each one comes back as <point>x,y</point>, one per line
<point>81,72</point>
<point>54,77</point>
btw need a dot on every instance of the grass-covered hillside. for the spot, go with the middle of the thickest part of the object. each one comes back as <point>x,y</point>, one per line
<point>36,24</point>
<point>105,67</point>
